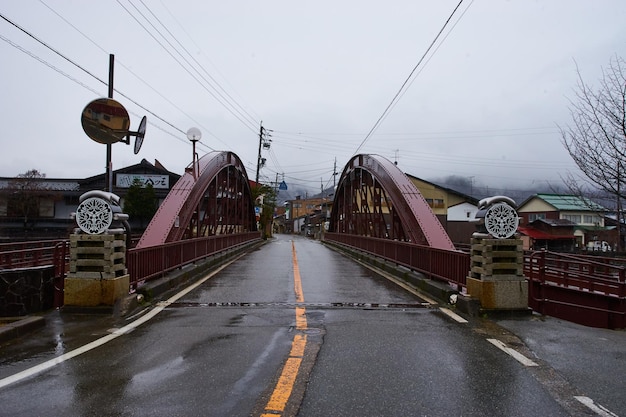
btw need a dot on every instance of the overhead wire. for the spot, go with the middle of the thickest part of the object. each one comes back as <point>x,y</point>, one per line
<point>406,81</point>
<point>140,79</point>
<point>199,48</point>
<point>55,51</point>
<point>46,63</point>
<point>428,60</point>
<point>215,84</point>
<point>186,68</point>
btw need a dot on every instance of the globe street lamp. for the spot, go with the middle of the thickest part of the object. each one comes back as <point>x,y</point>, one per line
<point>194,135</point>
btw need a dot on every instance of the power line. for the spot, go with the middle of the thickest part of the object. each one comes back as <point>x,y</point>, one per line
<point>236,113</point>
<point>395,97</point>
<point>140,79</point>
<point>228,97</point>
<point>46,63</point>
<point>33,55</point>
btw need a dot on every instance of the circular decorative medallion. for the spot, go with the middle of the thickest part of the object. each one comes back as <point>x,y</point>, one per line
<point>501,221</point>
<point>94,216</point>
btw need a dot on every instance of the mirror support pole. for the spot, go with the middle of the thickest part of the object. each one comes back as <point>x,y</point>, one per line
<point>108,177</point>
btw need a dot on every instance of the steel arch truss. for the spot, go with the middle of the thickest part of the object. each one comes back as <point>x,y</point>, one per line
<point>212,200</point>
<point>374,198</point>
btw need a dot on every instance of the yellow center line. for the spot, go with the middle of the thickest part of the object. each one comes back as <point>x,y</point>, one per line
<point>296,275</point>
<point>278,400</point>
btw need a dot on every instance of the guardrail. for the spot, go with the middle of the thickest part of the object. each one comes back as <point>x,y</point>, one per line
<point>154,262</point>
<point>576,289</point>
<point>569,271</point>
<point>439,264</point>
<point>142,264</point>
<point>27,254</point>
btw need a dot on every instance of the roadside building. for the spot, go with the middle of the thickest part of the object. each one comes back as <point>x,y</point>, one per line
<point>306,216</point>
<point>565,223</point>
<point>47,215</point>
<point>455,211</point>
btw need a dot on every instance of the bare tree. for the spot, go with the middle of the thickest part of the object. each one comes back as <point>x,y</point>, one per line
<point>24,194</point>
<point>596,138</point>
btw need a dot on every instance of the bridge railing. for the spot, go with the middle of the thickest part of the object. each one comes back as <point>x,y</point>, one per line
<point>27,254</point>
<point>439,264</point>
<point>575,272</point>
<point>154,262</point>
<point>576,289</point>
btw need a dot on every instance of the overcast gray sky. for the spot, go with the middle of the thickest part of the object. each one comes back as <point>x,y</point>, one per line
<point>484,104</point>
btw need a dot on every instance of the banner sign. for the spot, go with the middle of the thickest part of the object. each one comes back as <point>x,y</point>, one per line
<point>157,181</point>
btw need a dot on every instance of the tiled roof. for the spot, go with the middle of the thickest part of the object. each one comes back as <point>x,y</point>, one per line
<point>556,222</point>
<point>570,202</point>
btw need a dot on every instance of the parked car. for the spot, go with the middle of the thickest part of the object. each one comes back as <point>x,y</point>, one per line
<point>598,245</point>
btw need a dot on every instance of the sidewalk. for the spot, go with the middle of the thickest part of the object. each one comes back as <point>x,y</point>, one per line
<point>590,359</point>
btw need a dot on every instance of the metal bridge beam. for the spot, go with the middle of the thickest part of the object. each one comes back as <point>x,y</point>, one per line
<point>217,200</point>
<point>374,198</point>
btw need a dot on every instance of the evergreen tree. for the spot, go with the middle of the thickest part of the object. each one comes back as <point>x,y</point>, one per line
<point>140,202</point>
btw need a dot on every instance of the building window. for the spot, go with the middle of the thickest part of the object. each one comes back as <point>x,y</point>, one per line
<point>435,203</point>
<point>574,218</point>
<point>591,219</point>
<point>536,216</point>
<point>46,207</point>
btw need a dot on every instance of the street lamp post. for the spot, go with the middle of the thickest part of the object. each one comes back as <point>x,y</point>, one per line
<point>194,135</point>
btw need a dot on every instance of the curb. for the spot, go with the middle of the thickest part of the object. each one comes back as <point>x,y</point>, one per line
<point>16,327</point>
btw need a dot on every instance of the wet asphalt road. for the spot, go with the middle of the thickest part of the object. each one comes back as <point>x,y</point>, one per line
<point>371,349</point>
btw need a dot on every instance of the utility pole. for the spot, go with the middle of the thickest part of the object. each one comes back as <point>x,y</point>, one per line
<point>264,142</point>
<point>108,176</point>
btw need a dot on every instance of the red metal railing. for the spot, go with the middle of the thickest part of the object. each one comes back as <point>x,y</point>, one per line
<point>61,256</point>
<point>586,290</point>
<point>583,274</point>
<point>439,264</point>
<point>576,289</point>
<point>142,264</point>
<point>27,254</point>
<point>154,262</point>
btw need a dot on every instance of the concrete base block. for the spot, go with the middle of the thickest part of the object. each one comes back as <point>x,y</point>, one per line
<point>92,292</point>
<point>500,294</point>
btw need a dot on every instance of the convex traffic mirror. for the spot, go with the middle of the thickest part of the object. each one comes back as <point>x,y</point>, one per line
<point>105,121</point>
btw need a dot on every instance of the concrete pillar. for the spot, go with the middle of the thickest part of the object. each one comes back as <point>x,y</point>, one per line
<point>98,274</point>
<point>496,277</point>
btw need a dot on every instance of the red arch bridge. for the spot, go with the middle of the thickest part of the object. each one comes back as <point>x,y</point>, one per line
<point>377,212</point>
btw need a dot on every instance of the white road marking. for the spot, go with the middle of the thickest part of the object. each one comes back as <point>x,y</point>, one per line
<point>160,306</point>
<point>596,408</point>
<point>453,315</point>
<point>515,354</point>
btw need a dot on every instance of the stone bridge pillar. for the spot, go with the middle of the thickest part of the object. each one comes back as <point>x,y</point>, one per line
<point>496,277</point>
<point>98,276</point>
